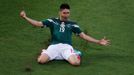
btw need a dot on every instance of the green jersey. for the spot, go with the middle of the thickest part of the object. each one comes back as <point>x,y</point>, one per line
<point>61,31</point>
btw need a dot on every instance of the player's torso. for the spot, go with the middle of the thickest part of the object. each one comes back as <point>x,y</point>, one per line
<point>61,31</point>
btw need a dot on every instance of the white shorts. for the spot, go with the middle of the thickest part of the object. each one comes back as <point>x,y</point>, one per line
<point>59,51</point>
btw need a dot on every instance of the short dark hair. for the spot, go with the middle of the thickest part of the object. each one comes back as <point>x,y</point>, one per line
<point>64,6</point>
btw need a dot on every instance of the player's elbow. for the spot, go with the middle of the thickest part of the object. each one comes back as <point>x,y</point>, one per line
<point>82,35</point>
<point>38,24</point>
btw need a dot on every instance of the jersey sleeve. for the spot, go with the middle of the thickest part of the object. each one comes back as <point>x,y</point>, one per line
<point>47,22</point>
<point>76,29</point>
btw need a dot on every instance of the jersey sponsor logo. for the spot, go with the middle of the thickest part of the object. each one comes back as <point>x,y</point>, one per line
<point>62,27</point>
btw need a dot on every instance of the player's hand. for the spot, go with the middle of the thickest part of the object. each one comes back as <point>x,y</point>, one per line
<point>104,42</point>
<point>22,14</point>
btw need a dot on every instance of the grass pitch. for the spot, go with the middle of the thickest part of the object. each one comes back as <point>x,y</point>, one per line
<point>20,43</point>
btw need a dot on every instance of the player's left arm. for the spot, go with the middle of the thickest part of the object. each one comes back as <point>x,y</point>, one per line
<point>88,38</point>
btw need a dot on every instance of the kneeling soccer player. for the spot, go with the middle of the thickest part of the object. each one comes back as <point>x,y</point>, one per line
<point>61,37</point>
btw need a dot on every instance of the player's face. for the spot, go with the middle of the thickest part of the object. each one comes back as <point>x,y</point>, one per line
<point>65,13</point>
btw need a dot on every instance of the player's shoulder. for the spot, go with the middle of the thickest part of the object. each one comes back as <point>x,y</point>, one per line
<point>51,19</point>
<point>54,18</point>
<point>73,23</point>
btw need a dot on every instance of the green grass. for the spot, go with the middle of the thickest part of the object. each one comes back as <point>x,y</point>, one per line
<point>20,43</point>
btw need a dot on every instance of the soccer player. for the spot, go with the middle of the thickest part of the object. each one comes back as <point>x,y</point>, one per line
<point>61,37</point>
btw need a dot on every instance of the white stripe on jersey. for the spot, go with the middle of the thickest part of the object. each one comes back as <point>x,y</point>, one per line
<point>76,25</point>
<point>50,20</point>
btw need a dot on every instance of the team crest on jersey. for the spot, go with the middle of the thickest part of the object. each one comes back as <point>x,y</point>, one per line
<point>62,27</point>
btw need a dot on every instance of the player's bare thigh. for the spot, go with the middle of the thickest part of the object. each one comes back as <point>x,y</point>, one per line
<point>43,58</point>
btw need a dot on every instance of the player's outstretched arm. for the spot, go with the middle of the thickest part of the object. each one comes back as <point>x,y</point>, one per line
<point>88,38</point>
<point>31,21</point>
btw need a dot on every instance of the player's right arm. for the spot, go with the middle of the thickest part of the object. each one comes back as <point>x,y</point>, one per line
<point>31,21</point>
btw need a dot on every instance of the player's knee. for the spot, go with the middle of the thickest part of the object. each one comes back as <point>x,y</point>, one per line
<point>75,63</point>
<point>74,60</point>
<point>42,60</point>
